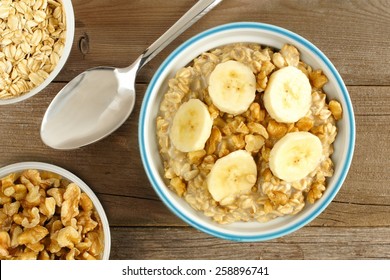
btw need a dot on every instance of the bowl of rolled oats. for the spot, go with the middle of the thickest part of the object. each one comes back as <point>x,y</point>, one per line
<point>47,213</point>
<point>36,40</point>
<point>247,131</point>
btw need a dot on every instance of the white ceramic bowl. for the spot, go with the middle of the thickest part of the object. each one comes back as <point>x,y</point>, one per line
<point>21,166</point>
<point>266,35</point>
<point>70,29</point>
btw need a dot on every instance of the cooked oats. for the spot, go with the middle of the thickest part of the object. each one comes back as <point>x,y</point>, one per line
<point>253,130</point>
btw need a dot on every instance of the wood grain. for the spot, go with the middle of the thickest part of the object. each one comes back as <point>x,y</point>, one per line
<point>353,34</point>
<point>307,243</point>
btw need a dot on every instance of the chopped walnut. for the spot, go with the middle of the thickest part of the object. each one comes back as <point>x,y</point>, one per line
<point>32,213</point>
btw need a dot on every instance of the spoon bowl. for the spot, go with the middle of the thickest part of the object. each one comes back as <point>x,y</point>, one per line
<point>98,101</point>
<point>89,107</point>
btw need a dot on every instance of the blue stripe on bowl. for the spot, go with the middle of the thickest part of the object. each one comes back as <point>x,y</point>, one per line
<point>349,110</point>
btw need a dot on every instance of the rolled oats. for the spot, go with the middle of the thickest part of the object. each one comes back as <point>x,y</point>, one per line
<point>32,39</point>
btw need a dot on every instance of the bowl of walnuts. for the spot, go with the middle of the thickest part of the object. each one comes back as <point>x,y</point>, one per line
<point>247,131</point>
<point>36,40</point>
<point>48,213</point>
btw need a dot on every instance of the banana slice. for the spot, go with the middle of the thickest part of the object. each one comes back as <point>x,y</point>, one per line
<point>287,97</point>
<point>232,87</point>
<point>232,175</point>
<point>295,155</point>
<point>191,126</point>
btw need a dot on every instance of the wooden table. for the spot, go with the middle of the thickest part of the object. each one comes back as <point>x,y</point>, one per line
<point>354,34</point>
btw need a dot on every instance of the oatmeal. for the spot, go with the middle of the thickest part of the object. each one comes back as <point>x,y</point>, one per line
<point>263,148</point>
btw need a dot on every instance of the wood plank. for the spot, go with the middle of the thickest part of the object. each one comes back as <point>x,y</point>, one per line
<point>116,173</point>
<point>370,100</point>
<point>307,243</point>
<point>353,34</point>
<point>338,28</point>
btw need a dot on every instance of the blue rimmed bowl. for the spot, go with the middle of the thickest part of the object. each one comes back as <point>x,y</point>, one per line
<point>266,35</point>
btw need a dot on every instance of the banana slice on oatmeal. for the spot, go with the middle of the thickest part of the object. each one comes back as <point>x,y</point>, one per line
<point>232,87</point>
<point>191,126</point>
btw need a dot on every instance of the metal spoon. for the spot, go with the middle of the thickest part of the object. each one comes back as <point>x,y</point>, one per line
<point>99,100</point>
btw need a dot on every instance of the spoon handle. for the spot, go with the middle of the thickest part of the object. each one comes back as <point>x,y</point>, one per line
<point>201,8</point>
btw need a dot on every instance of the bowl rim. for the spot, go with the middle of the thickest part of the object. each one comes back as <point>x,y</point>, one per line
<point>70,31</point>
<point>349,110</point>
<point>20,166</point>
